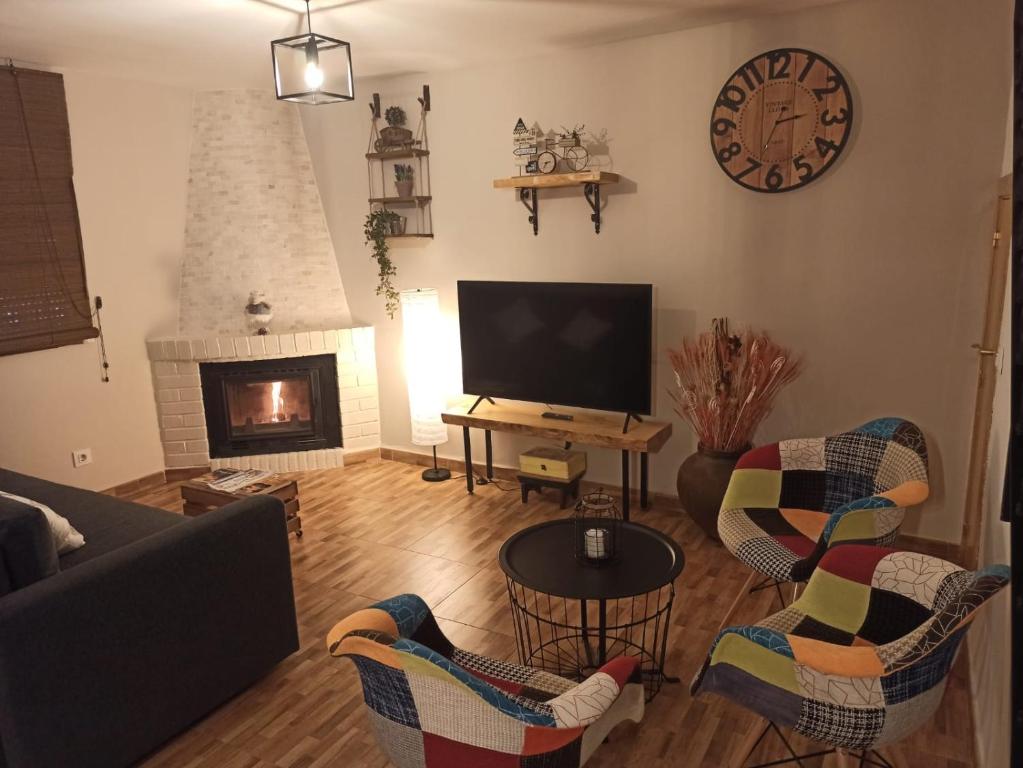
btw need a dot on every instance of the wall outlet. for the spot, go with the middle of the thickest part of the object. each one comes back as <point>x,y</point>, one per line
<point>81,456</point>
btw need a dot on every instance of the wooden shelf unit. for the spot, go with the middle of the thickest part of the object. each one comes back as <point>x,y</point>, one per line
<point>381,156</point>
<point>529,186</point>
<point>586,428</point>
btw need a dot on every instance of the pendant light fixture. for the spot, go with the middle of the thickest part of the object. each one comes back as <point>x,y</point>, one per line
<point>312,68</point>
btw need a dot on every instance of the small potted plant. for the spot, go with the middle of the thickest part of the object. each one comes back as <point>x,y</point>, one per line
<point>380,224</point>
<point>404,179</point>
<point>395,134</point>
<point>726,385</point>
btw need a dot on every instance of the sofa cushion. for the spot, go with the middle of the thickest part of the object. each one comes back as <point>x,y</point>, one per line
<point>65,537</point>
<point>27,551</point>
<point>108,523</point>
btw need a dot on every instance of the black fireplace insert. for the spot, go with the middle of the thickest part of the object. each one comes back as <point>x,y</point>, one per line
<point>271,406</point>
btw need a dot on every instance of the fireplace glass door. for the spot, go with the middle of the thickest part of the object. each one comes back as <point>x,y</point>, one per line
<point>271,406</point>
<point>261,407</point>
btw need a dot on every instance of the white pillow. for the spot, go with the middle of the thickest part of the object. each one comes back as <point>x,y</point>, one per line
<point>65,537</point>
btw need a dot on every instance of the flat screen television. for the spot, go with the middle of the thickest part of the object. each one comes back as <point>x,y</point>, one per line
<point>577,344</point>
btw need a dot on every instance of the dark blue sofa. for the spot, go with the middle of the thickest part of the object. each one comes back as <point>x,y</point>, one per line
<point>155,622</point>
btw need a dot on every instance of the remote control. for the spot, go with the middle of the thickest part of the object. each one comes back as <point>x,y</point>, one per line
<point>558,416</point>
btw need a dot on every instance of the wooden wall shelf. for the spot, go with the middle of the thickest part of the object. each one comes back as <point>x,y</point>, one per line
<point>552,180</point>
<point>416,200</point>
<point>529,186</point>
<point>400,154</point>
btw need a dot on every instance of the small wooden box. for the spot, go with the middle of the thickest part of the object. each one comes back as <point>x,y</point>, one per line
<point>556,463</point>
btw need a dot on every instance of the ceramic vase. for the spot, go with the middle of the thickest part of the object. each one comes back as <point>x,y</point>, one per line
<point>702,482</point>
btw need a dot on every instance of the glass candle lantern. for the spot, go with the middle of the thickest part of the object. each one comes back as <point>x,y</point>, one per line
<point>597,529</point>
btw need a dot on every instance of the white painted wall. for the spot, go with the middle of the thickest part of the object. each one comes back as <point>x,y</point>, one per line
<point>875,272</point>
<point>130,144</point>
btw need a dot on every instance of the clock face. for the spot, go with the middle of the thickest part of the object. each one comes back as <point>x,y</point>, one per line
<point>781,120</point>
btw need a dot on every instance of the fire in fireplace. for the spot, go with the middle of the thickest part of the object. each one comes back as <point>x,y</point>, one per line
<point>271,406</point>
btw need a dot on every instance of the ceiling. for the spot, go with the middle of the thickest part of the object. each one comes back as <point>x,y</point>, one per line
<point>209,44</point>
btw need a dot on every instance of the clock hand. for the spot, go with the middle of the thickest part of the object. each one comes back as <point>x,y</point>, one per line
<point>793,117</point>
<point>773,127</point>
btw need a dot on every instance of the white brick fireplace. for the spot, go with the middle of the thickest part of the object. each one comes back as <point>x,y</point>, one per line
<point>255,222</point>
<point>175,365</point>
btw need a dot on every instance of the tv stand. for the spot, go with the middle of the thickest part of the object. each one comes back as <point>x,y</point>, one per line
<point>479,400</point>
<point>586,428</point>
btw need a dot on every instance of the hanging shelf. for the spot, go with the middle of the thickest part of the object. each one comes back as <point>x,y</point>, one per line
<point>380,155</point>
<point>529,187</point>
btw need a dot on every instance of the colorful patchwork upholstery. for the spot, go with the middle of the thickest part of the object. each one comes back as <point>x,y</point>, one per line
<point>861,658</point>
<point>788,502</point>
<point>433,705</point>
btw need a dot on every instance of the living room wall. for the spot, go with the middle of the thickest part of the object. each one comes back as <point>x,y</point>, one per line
<point>874,273</point>
<point>130,143</point>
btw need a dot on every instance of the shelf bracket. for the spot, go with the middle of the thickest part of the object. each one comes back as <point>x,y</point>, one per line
<point>592,193</point>
<point>530,199</point>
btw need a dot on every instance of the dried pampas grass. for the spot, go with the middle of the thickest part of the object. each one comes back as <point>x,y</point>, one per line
<point>727,383</point>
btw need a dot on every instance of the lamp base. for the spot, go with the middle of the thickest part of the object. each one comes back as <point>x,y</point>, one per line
<point>436,474</point>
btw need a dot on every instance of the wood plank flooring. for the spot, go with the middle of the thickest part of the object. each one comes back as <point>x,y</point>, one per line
<point>375,529</point>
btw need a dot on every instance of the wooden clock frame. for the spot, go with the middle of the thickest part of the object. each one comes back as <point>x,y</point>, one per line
<point>818,118</point>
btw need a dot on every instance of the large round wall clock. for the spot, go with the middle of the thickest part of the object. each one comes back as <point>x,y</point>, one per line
<point>781,120</point>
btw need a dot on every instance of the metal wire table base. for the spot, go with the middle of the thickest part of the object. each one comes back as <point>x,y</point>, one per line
<point>574,638</point>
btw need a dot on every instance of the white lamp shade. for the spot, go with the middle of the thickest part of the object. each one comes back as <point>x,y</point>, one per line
<point>421,325</point>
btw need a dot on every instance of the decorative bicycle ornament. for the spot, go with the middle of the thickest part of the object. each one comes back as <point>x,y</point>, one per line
<point>539,153</point>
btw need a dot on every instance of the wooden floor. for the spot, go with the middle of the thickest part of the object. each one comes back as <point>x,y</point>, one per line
<point>375,530</point>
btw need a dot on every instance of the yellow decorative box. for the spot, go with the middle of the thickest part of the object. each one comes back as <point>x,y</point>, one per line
<point>556,463</point>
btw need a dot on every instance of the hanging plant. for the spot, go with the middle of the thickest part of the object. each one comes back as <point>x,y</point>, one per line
<point>378,227</point>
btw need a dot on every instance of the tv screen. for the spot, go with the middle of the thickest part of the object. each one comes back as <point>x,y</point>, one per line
<point>577,344</point>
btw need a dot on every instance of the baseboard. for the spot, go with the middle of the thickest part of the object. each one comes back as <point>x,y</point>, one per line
<point>358,457</point>
<point>660,500</point>
<point>140,484</point>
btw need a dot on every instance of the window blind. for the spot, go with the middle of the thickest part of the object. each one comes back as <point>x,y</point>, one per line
<point>44,299</point>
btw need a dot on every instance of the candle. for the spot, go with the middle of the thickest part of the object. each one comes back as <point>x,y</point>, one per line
<point>595,541</point>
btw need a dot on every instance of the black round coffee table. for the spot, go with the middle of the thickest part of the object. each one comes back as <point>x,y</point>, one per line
<point>570,618</point>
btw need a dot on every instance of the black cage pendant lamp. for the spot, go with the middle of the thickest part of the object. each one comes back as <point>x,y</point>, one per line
<point>312,68</point>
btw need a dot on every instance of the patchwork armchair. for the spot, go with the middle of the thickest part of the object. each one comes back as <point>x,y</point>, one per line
<point>788,502</point>
<point>861,659</point>
<point>433,705</point>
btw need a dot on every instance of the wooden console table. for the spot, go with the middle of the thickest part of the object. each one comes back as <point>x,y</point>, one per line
<point>601,430</point>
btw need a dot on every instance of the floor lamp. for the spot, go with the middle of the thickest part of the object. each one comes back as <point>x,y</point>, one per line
<point>420,317</point>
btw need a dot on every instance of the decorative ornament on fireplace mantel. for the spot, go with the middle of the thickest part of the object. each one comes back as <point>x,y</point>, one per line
<point>258,313</point>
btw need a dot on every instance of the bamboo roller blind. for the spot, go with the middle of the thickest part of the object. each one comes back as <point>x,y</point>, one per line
<point>44,300</point>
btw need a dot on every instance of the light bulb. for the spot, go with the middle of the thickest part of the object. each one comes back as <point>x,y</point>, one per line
<point>313,75</point>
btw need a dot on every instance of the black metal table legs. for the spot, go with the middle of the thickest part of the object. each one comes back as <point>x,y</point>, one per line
<point>643,502</point>
<point>490,456</point>
<point>626,493</point>
<point>468,458</point>
<point>467,442</point>
<point>626,490</point>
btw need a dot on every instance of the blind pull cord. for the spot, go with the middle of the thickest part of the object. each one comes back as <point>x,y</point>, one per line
<point>104,363</point>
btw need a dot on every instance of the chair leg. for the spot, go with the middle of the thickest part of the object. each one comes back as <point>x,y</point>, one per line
<point>738,600</point>
<point>795,591</point>
<point>756,732</point>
